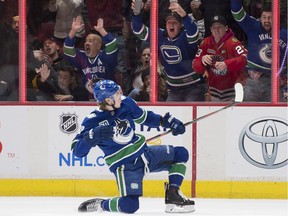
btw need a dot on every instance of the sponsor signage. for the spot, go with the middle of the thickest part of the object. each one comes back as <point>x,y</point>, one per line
<point>269,134</point>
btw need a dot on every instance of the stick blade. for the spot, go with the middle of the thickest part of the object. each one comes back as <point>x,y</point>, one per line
<point>239,93</point>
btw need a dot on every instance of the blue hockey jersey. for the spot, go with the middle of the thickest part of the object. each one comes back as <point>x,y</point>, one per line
<point>259,40</point>
<point>126,145</point>
<point>176,54</point>
<point>100,67</point>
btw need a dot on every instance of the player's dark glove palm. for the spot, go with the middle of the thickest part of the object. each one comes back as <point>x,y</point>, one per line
<point>99,134</point>
<point>174,124</point>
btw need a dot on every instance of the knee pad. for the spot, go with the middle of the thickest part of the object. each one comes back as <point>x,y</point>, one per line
<point>181,154</point>
<point>129,204</point>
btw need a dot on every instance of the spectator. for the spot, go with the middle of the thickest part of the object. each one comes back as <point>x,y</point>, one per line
<point>163,11</point>
<point>52,53</point>
<point>144,92</point>
<point>36,77</point>
<point>94,62</point>
<point>44,77</point>
<point>136,73</point>
<point>66,10</point>
<point>177,46</point>
<point>65,87</point>
<point>48,53</point>
<point>254,8</point>
<point>15,24</point>
<point>224,58</point>
<point>210,8</point>
<point>112,12</point>
<point>137,78</point>
<point>258,85</point>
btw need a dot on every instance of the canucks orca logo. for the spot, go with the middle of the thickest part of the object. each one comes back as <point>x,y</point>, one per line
<point>123,132</point>
<point>265,54</point>
<point>171,54</point>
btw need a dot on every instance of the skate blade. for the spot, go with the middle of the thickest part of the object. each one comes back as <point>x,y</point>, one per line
<point>172,208</point>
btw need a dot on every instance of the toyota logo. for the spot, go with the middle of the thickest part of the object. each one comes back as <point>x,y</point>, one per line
<point>262,140</point>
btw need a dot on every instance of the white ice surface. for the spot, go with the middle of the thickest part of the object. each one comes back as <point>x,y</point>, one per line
<point>67,206</point>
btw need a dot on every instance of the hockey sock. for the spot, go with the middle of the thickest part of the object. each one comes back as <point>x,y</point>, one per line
<point>128,204</point>
<point>178,169</point>
<point>176,174</point>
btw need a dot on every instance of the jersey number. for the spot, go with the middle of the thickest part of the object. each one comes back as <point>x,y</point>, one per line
<point>239,50</point>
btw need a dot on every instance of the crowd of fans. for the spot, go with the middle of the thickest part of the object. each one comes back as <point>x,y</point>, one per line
<point>204,46</point>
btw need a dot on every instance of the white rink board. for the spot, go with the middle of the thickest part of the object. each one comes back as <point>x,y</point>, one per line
<point>35,143</point>
<point>219,139</point>
<point>14,142</point>
<point>40,142</point>
<point>93,166</point>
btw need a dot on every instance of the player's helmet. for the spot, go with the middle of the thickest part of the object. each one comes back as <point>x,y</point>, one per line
<point>105,89</point>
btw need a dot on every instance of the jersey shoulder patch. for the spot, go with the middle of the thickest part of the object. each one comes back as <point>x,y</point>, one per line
<point>234,39</point>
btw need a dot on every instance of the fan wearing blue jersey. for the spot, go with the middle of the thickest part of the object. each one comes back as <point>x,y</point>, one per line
<point>177,45</point>
<point>111,127</point>
<point>259,59</point>
<point>94,62</point>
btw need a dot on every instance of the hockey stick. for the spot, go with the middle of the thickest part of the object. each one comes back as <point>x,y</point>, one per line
<point>238,99</point>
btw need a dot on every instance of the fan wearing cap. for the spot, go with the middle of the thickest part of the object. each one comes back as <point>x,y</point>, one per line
<point>177,45</point>
<point>52,52</point>
<point>223,57</point>
<point>173,25</point>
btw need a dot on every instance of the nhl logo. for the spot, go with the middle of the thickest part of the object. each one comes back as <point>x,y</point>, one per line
<point>68,123</point>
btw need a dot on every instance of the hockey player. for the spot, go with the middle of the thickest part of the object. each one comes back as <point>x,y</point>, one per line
<point>177,46</point>
<point>111,127</point>
<point>258,86</point>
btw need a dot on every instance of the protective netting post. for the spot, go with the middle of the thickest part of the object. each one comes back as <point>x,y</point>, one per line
<point>154,51</point>
<point>22,50</point>
<point>275,51</point>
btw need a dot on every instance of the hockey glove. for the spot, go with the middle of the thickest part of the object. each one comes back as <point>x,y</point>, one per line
<point>99,134</point>
<point>174,124</point>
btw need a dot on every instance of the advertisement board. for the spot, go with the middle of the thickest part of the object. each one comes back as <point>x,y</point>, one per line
<point>14,143</point>
<point>37,143</point>
<point>243,143</point>
<point>239,152</point>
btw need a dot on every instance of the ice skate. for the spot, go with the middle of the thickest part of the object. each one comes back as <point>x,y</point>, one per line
<point>91,205</point>
<point>176,202</point>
